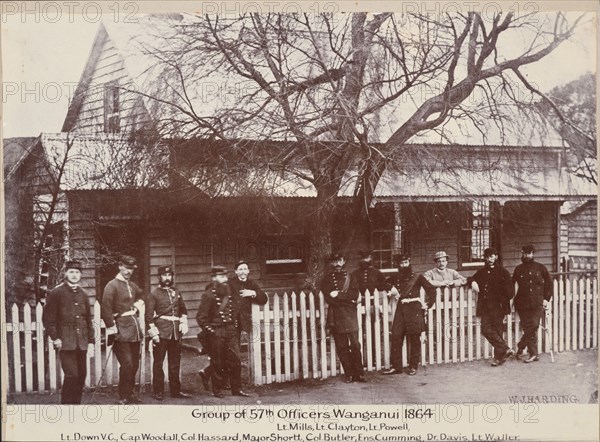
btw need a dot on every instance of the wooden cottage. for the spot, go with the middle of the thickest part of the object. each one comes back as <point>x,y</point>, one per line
<point>156,200</point>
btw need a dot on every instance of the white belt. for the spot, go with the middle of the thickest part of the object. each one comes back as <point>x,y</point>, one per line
<point>128,313</point>
<point>169,318</point>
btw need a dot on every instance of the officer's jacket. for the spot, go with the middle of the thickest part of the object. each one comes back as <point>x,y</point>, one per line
<point>117,303</point>
<point>410,317</point>
<point>535,285</point>
<point>370,278</point>
<point>496,289</point>
<point>341,314</point>
<point>162,307</point>
<point>243,306</point>
<point>67,317</point>
<point>216,308</point>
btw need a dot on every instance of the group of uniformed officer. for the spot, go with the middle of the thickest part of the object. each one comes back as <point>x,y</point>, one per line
<point>224,314</point>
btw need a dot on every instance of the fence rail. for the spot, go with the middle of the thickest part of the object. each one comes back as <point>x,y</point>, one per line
<point>289,340</point>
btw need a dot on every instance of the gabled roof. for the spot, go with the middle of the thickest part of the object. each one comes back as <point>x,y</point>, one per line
<point>14,152</point>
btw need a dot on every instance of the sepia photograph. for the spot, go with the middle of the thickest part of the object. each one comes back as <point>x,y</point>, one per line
<point>288,221</point>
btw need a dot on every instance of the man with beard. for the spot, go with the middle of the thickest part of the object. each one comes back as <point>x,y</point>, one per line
<point>217,320</point>
<point>441,275</point>
<point>533,295</point>
<point>341,294</point>
<point>409,319</point>
<point>166,318</point>
<point>494,289</point>
<point>369,279</point>
<point>68,322</point>
<point>121,303</point>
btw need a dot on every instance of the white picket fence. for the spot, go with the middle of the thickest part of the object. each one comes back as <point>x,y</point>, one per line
<point>36,368</point>
<point>289,339</point>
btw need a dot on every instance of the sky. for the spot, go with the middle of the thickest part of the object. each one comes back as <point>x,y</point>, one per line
<point>44,53</point>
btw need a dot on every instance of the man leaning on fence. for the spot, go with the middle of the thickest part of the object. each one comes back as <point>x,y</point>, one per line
<point>341,293</point>
<point>166,319</point>
<point>409,318</point>
<point>122,301</point>
<point>494,289</point>
<point>441,275</point>
<point>68,322</point>
<point>533,296</point>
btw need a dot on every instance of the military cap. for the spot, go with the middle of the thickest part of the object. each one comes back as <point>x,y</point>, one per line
<point>399,257</point>
<point>239,263</point>
<point>528,248</point>
<point>490,251</point>
<point>128,261</point>
<point>440,255</point>
<point>218,270</point>
<point>73,265</point>
<point>165,269</point>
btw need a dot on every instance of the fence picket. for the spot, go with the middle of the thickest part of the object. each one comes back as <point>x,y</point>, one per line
<point>561,315</point>
<point>588,297</point>
<point>445,331</point>
<point>277,338</point>
<point>595,314</point>
<point>567,313</point>
<point>454,325</point>
<point>377,329</point>
<point>574,317</point>
<point>304,335</point>
<point>39,341</point>
<point>28,348</point>
<point>313,337</point>
<point>255,345</point>
<point>267,331</point>
<point>16,348</point>
<point>368,331</point>
<point>296,374</point>
<point>555,299</point>
<point>461,325</point>
<point>386,331</point>
<point>438,325</point>
<point>581,306</point>
<point>287,363</point>
<point>470,301</point>
<point>322,323</point>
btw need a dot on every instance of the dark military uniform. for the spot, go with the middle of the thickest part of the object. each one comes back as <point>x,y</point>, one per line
<point>67,317</point>
<point>164,309</point>
<point>409,319</point>
<point>216,318</point>
<point>535,286</point>
<point>243,305</point>
<point>493,303</point>
<point>342,321</point>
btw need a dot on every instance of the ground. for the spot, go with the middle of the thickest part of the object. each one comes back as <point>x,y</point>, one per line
<point>572,378</point>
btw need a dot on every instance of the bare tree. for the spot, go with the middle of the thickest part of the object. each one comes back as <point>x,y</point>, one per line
<point>333,85</point>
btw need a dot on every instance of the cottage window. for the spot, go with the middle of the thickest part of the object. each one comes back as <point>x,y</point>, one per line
<point>284,253</point>
<point>475,233</point>
<point>387,234</point>
<point>111,108</point>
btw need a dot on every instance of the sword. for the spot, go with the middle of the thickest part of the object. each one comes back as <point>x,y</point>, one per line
<point>103,372</point>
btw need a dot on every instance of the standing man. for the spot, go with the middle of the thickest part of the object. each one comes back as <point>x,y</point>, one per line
<point>369,278</point>
<point>441,275</point>
<point>409,319</point>
<point>533,295</point>
<point>68,322</point>
<point>216,317</point>
<point>494,289</point>
<point>341,293</point>
<point>245,293</point>
<point>121,303</point>
<point>166,319</point>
